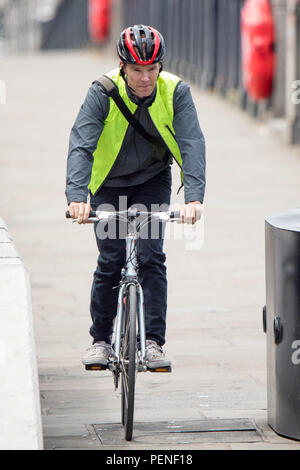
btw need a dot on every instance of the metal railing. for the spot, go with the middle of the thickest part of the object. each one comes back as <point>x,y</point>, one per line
<point>68,29</point>
<point>28,25</point>
<point>202,38</point>
<point>19,31</point>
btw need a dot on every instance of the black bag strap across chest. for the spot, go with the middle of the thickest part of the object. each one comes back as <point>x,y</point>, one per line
<point>110,88</point>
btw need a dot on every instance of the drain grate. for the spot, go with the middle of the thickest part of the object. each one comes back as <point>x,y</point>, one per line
<point>181,432</point>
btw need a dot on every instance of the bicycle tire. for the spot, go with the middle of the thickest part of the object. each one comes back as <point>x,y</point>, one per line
<point>129,354</point>
<point>125,321</point>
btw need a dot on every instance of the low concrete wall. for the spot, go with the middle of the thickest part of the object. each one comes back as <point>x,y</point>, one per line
<point>20,415</point>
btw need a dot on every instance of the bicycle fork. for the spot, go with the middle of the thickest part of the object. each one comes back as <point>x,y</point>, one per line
<point>141,324</point>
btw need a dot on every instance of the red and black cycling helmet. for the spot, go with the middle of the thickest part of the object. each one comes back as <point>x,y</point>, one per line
<point>141,45</point>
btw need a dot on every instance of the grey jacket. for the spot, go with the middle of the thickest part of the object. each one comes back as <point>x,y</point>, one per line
<point>138,160</point>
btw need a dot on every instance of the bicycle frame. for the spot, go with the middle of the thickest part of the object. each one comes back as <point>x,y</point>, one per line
<point>130,277</point>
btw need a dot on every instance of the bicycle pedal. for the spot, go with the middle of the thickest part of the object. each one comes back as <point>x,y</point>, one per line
<point>95,367</point>
<point>160,369</point>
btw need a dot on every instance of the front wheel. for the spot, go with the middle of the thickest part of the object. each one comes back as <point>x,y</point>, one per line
<point>128,362</point>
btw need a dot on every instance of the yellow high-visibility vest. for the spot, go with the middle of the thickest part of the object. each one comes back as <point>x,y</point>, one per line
<point>115,126</point>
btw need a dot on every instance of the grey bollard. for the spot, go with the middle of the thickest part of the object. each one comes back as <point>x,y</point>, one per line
<point>281,321</point>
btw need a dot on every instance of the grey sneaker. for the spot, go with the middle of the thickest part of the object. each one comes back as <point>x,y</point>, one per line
<point>155,355</point>
<point>98,353</point>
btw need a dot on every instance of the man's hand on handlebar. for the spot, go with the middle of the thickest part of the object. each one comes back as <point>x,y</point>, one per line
<point>80,211</point>
<point>191,212</point>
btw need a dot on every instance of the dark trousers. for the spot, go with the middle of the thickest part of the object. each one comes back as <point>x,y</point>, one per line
<point>151,260</point>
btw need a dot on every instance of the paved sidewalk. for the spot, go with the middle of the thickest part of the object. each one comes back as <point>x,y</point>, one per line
<point>216,295</point>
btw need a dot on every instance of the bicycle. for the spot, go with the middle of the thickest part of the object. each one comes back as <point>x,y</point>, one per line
<point>129,338</point>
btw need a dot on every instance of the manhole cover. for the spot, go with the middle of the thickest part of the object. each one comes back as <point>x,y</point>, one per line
<point>181,432</point>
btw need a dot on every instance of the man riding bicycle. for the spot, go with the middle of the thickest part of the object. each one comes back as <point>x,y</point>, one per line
<point>109,158</point>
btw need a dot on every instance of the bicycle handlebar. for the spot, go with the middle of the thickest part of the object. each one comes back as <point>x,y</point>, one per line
<point>92,214</point>
<point>172,215</point>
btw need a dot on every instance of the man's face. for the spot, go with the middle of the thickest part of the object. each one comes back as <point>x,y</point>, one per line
<point>141,78</point>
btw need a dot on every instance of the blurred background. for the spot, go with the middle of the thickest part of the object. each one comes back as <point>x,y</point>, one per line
<point>203,38</point>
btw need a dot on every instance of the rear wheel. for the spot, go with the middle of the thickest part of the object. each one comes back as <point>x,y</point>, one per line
<point>128,362</point>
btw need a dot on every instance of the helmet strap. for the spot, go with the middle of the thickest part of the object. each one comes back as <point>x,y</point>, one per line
<point>123,75</point>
